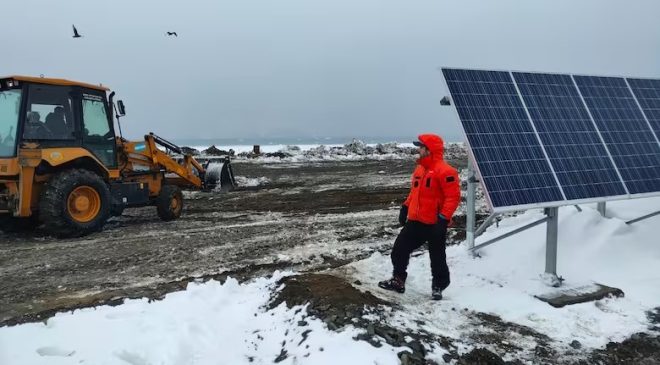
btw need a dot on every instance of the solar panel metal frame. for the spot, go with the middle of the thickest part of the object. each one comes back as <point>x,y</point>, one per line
<point>551,204</point>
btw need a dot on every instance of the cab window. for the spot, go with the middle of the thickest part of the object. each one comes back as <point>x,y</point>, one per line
<point>49,114</point>
<point>97,134</point>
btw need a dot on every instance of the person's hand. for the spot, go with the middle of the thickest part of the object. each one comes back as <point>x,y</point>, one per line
<point>403,215</point>
<point>442,220</point>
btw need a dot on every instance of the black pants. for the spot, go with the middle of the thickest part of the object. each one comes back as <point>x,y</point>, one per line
<point>412,236</point>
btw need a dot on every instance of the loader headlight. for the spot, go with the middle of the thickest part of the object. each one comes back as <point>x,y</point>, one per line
<point>9,84</point>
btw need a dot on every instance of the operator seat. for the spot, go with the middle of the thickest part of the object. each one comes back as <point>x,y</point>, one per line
<point>56,123</point>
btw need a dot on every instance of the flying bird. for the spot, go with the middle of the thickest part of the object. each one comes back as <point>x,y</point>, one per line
<point>75,32</point>
<point>172,34</point>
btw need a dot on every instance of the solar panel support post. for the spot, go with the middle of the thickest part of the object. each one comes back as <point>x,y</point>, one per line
<point>551,246</point>
<point>643,217</point>
<point>509,234</point>
<point>471,205</point>
<point>601,208</point>
<point>485,225</point>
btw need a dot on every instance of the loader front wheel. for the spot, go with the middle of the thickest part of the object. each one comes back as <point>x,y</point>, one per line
<point>74,203</point>
<point>169,203</point>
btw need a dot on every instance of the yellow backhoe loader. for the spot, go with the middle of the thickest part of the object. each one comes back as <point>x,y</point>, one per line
<point>63,167</point>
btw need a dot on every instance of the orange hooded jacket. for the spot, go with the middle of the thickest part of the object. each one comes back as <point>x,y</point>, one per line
<point>435,188</point>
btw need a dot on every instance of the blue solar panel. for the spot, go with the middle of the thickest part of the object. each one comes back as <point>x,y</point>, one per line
<point>508,154</point>
<point>647,93</point>
<point>570,139</point>
<point>631,142</point>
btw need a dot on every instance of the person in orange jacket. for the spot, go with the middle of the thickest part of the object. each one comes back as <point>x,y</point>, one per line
<point>435,193</point>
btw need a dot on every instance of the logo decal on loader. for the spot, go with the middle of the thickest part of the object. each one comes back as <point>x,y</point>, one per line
<point>56,156</point>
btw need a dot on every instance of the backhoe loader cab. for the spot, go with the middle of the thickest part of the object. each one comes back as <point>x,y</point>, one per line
<point>62,165</point>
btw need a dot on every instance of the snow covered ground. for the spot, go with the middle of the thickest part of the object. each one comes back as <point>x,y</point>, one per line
<point>214,323</point>
<point>507,276</point>
<point>244,181</point>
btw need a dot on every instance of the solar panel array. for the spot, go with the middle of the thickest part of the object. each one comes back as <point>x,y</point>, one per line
<point>551,139</point>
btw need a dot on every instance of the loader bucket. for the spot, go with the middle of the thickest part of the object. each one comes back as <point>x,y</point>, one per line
<point>219,176</point>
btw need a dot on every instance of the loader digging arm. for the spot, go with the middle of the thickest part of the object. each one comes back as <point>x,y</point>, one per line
<point>188,171</point>
<point>144,158</point>
<point>184,171</point>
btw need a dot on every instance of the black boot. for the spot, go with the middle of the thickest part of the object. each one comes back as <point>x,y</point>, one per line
<point>395,284</point>
<point>436,293</point>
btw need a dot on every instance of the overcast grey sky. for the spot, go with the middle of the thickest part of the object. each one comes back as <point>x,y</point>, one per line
<point>302,68</point>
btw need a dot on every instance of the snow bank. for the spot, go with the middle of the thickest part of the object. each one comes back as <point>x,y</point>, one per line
<point>356,150</point>
<point>507,276</point>
<point>243,181</point>
<point>208,323</point>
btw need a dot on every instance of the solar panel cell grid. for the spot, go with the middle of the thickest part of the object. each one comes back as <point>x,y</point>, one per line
<point>648,96</point>
<point>535,136</point>
<point>575,150</point>
<point>502,138</point>
<point>626,132</point>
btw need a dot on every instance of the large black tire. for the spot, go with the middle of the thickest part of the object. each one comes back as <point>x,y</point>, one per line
<point>169,203</point>
<point>60,216</point>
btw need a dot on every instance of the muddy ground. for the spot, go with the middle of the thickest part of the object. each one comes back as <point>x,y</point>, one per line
<point>302,217</point>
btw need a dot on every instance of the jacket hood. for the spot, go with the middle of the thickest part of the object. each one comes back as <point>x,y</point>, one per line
<point>434,143</point>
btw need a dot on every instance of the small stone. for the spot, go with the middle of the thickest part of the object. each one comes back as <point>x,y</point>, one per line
<point>302,323</point>
<point>357,282</point>
<point>417,347</point>
<point>375,343</point>
<point>576,344</point>
<point>304,337</point>
<point>447,358</point>
<point>404,357</point>
<point>283,355</point>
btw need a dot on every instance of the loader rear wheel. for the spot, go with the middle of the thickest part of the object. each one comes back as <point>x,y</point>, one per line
<point>169,203</point>
<point>74,203</point>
